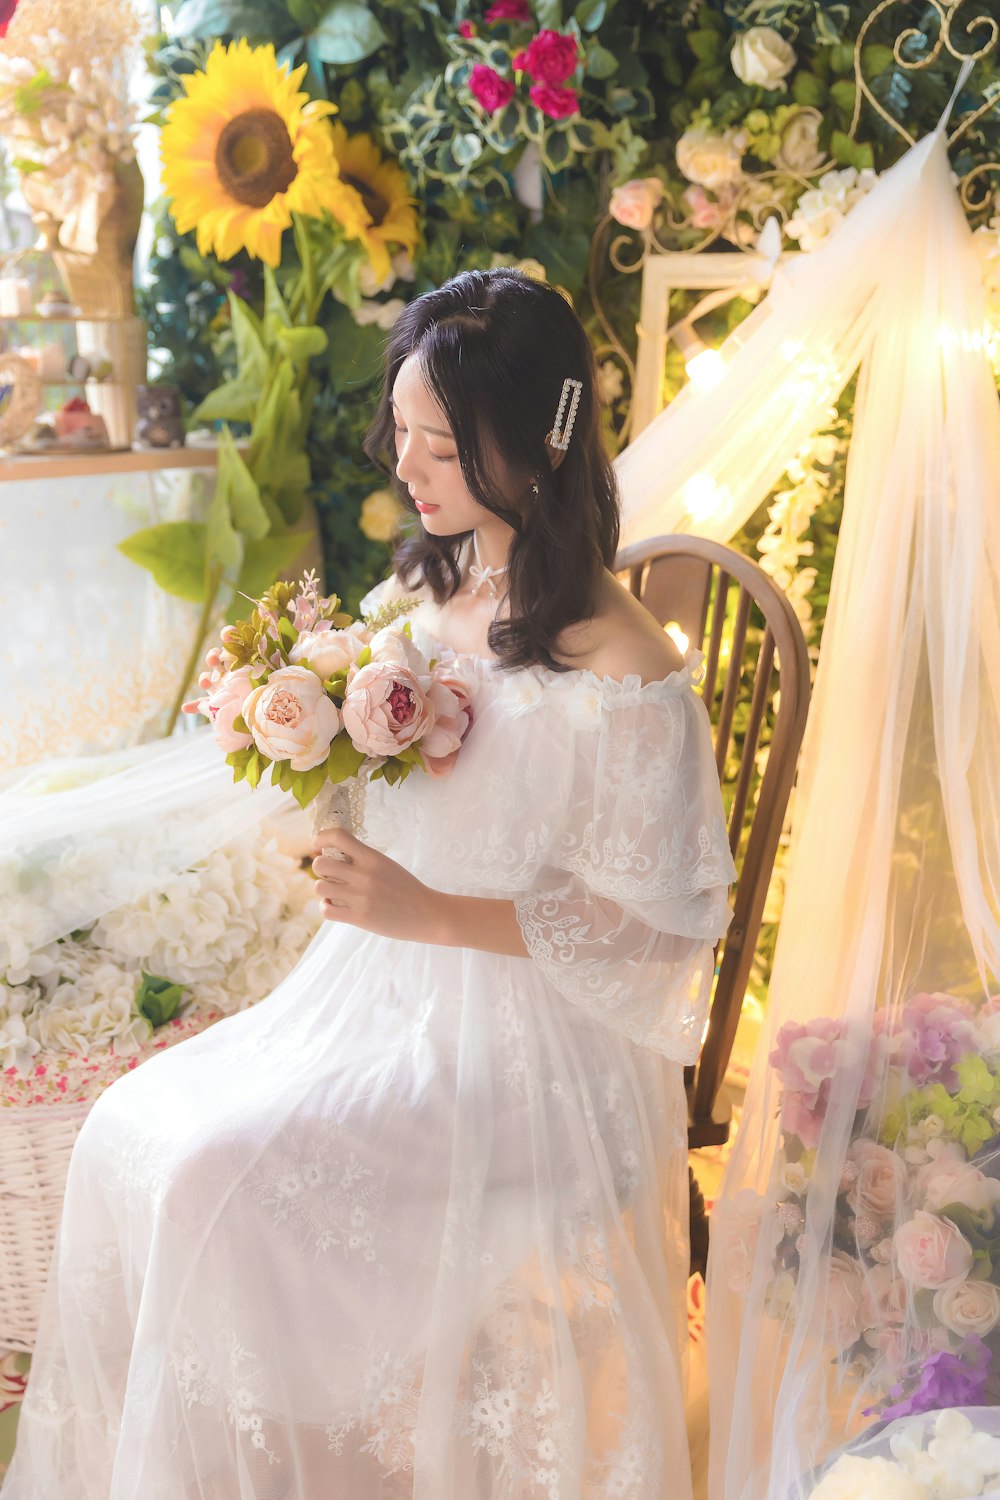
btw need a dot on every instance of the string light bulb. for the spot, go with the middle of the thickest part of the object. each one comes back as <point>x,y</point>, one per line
<point>705,366</point>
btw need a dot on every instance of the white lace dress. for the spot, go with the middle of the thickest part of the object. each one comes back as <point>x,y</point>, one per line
<point>416,1224</point>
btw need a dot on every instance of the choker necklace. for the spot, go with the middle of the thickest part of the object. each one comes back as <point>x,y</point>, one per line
<point>483,575</point>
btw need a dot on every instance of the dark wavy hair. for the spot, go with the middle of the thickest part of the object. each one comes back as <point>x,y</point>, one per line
<point>494,348</point>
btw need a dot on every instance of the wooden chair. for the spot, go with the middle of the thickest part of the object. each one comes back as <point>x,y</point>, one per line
<point>753,643</point>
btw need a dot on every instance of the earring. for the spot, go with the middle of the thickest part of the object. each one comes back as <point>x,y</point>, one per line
<point>534,489</point>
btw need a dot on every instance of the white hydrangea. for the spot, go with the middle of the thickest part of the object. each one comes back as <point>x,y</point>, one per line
<point>228,929</point>
<point>822,208</point>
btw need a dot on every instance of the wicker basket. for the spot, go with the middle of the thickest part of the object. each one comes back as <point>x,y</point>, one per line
<point>35,1148</point>
<point>37,1135</point>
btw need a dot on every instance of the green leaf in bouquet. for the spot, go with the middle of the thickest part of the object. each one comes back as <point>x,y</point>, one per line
<point>411,756</point>
<point>309,783</point>
<point>257,764</point>
<point>240,725</point>
<point>343,760</point>
<point>157,998</point>
<point>238,760</point>
<point>365,657</point>
<point>391,773</point>
<point>174,552</point>
<point>337,685</point>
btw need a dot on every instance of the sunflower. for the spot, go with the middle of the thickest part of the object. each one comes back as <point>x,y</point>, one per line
<point>244,150</point>
<point>381,193</point>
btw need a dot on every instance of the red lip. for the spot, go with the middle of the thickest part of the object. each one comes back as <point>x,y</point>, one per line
<point>424,505</point>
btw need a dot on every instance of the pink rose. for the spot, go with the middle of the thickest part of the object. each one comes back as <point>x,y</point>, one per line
<point>885,1295</point>
<point>519,62</point>
<point>558,104</point>
<point>451,696</point>
<point>949,1178</point>
<point>844,1300</point>
<point>489,89</point>
<point>508,10</point>
<point>386,709</point>
<point>931,1252</point>
<point>291,718</point>
<point>706,212</point>
<point>226,704</point>
<point>551,57</point>
<point>466,29</point>
<point>330,652</point>
<point>881,1183</point>
<point>634,204</point>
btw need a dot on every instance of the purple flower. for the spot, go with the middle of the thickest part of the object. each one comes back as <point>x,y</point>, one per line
<point>943,1380</point>
<point>928,1036</point>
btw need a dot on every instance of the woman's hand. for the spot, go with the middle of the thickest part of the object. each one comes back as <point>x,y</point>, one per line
<point>368,889</point>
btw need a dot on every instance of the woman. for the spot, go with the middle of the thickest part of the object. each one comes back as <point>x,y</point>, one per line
<point>416,1224</point>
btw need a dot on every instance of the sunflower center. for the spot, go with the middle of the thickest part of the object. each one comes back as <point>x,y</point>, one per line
<point>254,157</point>
<point>376,205</point>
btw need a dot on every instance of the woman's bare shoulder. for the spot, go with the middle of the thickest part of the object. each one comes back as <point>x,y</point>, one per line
<point>622,638</point>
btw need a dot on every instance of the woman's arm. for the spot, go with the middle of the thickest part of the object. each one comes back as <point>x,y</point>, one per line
<point>368,889</point>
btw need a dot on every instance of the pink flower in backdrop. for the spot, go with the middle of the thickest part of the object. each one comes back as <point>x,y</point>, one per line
<point>291,718</point>
<point>386,709</point>
<point>451,696</point>
<point>950,1178</point>
<point>931,1251</point>
<point>844,1300</point>
<point>635,203</point>
<point>885,1297</point>
<point>807,1058</point>
<point>551,57</point>
<point>466,29</point>
<point>330,652</point>
<point>557,104</point>
<point>508,10</point>
<point>928,1036</point>
<point>519,62</point>
<point>224,705</point>
<point>880,1188</point>
<point>489,89</point>
<point>706,212</point>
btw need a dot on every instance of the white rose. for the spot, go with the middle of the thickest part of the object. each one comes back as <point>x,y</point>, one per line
<point>715,161</point>
<point>794,1177</point>
<point>800,150</point>
<point>762,58</point>
<point>972,1308</point>
<point>853,1478</point>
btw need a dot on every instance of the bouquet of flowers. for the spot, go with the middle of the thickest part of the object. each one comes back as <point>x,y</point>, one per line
<point>327,702</point>
<point>942,1456</point>
<point>912,1271</point>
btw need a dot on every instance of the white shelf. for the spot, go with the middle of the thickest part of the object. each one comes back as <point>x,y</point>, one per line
<point>132,461</point>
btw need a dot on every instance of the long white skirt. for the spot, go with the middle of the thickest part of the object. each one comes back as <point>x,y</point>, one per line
<point>411,1227</point>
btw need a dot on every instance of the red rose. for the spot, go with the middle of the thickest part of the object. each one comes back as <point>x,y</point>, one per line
<point>551,57</point>
<point>519,62</point>
<point>489,89</point>
<point>508,10</point>
<point>466,29</point>
<point>558,104</point>
<point>7,9</point>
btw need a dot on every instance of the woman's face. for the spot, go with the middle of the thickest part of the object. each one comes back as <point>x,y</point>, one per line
<point>427,458</point>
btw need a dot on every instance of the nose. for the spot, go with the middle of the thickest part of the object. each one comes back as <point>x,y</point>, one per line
<point>407,468</point>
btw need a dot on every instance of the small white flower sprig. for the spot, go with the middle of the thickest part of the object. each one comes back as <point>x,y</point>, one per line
<point>316,697</point>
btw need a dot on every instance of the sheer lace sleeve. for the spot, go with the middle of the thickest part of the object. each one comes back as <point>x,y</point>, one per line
<point>625,924</point>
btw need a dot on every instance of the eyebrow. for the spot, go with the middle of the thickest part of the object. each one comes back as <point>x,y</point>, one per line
<point>437,431</point>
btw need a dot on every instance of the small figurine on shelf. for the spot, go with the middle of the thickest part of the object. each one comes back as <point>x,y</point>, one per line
<point>55,305</point>
<point>160,423</point>
<point>79,427</point>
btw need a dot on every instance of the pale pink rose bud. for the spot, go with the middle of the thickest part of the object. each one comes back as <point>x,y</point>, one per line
<point>291,718</point>
<point>882,1252</point>
<point>867,1228</point>
<point>386,709</point>
<point>635,203</point>
<point>848,1177</point>
<point>330,652</point>
<point>791,1217</point>
<point>451,696</point>
<point>223,705</point>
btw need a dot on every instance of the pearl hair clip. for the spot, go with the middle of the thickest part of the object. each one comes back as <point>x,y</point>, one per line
<point>560,435</point>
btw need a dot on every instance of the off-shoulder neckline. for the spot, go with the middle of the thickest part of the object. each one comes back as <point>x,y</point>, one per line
<point>613,689</point>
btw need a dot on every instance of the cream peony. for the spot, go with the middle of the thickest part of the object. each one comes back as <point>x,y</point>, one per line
<point>386,709</point>
<point>762,58</point>
<point>712,160</point>
<point>635,203</point>
<point>971,1308</point>
<point>330,652</point>
<point>931,1252</point>
<point>391,645</point>
<point>291,718</point>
